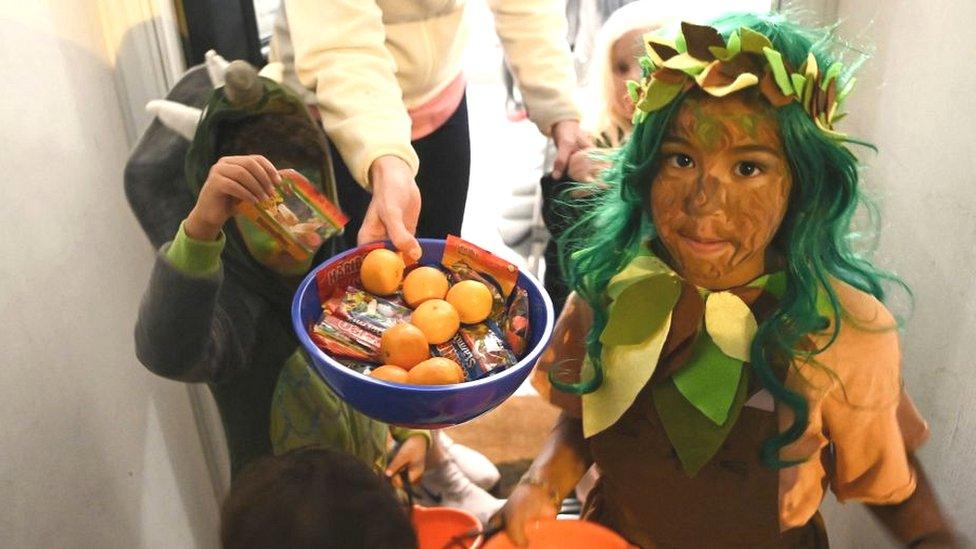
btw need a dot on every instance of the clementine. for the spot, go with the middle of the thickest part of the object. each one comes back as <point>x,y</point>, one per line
<point>389,372</point>
<point>471,299</point>
<point>437,319</point>
<point>403,345</point>
<point>424,283</point>
<point>436,371</point>
<point>381,272</point>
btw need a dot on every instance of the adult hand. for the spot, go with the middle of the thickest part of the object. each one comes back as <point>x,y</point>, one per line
<point>526,504</point>
<point>231,180</point>
<point>568,138</point>
<point>412,455</point>
<point>395,206</point>
<point>584,168</point>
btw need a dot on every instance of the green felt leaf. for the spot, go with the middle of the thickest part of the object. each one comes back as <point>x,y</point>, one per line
<point>831,73</point>
<point>658,95</point>
<point>633,90</point>
<point>694,437</point>
<point>709,380</point>
<point>780,73</point>
<point>721,54</point>
<point>774,283</point>
<point>628,369</point>
<point>752,41</point>
<point>842,94</point>
<point>644,265</point>
<point>798,82</point>
<point>646,64</point>
<point>640,310</point>
<point>679,43</point>
<point>734,45</point>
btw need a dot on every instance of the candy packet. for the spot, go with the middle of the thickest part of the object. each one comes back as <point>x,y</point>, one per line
<point>465,261</point>
<point>479,349</point>
<point>363,309</point>
<point>514,325</point>
<point>298,216</point>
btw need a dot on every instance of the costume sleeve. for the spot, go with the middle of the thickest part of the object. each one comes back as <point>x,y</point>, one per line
<point>870,420</point>
<point>533,35</point>
<point>340,52</point>
<point>195,257</point>
<point>401,434</point>
<point>193,325</point>
<point>565,354</point>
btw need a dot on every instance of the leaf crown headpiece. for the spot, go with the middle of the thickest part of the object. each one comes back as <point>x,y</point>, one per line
<point>699,56</point>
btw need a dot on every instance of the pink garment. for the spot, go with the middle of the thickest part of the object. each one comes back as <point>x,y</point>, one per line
<point>434,113</point>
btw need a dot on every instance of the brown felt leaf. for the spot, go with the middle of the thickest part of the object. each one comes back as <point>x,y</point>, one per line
<point>771,91</point>
<point>698,38</point>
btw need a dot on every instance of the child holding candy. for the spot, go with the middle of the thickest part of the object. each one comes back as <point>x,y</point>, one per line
<point>726,354</point>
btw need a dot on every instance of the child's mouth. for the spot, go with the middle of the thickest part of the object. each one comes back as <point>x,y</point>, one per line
<point>703,245</point>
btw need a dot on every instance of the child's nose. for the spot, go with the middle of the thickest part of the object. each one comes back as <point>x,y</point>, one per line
<point>708,194</point>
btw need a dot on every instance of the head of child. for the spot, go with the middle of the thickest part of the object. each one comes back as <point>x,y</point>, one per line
<point>734,170</point>
<point>617,46</point>
<point>252,115</point>
<point>313,499</point>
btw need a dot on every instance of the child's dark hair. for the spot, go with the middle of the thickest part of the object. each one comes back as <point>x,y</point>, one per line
<point>289,141</point>
<point>313,499</point>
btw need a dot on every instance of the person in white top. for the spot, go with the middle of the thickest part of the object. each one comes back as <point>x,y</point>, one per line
<point>388,83</point>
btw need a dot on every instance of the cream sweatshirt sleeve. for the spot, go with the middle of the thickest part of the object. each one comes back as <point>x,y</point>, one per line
<point>340,52</point>
<point>533,35</point>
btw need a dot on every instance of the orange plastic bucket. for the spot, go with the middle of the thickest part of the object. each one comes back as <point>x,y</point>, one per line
<point>436,526</point>
<point>564,534</point>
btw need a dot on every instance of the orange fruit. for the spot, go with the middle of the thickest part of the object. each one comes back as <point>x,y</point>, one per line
<point>424,283</point>
<point>471,299</point>
<point>381,272</point>
<point>436,371</point>
<point>403,345</point>
<point>389,372</point>
<point>437,319</point>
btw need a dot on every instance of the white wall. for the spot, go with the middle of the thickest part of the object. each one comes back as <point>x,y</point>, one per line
<point>915,101</point>
<point>95,451</point>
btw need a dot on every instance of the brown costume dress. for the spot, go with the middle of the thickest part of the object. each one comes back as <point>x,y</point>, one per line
<point>733,501</point>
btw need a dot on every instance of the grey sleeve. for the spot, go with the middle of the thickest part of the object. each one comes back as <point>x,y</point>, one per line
<point>194,328</point>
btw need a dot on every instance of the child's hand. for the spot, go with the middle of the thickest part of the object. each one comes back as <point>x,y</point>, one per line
<point>231,180</point>
<point>584,168</point>
<point>526,504</point>
<point>413,456</point>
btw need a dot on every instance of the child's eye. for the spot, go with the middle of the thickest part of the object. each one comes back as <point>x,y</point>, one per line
<point>681,161</point>
<point>747,169</point>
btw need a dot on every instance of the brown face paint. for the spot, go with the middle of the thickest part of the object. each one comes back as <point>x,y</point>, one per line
<point>722,189</point>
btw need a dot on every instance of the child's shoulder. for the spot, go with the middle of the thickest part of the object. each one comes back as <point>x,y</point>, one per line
<point>864,358</point>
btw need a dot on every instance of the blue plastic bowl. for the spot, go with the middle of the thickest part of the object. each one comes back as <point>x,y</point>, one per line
<point>421,406</point>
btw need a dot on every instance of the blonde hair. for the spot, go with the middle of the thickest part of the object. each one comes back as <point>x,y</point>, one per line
<point>599,118</point>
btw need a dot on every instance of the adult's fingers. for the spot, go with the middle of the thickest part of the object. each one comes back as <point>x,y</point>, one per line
<point>563,150</point>
<point>372,228</point>
<point>402,239</point>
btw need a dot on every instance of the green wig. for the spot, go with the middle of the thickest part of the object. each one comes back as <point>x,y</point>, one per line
<point>815,236</point>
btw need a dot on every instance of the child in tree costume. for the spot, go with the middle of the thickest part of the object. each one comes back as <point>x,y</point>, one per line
<point>725,354</point>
